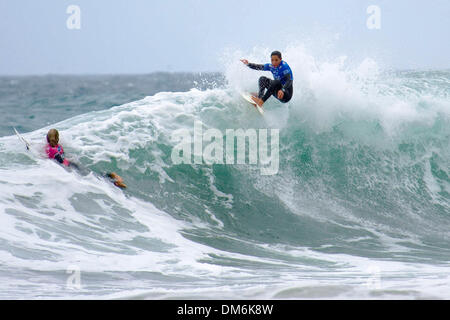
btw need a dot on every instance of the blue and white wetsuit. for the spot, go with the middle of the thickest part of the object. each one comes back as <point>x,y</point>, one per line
<point>283,79</point>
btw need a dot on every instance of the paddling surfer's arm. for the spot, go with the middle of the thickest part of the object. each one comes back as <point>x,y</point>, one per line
<point>59,158</point>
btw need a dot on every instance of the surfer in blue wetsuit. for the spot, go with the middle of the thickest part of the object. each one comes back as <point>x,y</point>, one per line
<point>280,87</point>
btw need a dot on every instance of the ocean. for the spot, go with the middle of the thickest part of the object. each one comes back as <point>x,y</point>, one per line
<point>359,207</point>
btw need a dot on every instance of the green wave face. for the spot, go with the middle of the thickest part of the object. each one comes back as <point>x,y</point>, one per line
<point>353,178</point>
<point>363,172</point>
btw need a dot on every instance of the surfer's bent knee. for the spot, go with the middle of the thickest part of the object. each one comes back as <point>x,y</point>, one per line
<point>263,79</point>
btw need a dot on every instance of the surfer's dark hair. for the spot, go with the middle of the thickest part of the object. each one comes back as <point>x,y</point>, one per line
<point>276,53</point>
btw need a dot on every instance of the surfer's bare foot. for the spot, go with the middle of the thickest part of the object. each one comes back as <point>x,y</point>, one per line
<point>258,101</point>
<point>120,184</point>
<point>118,181</point>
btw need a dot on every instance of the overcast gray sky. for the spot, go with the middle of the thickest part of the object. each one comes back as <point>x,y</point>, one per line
<point>141,36</point>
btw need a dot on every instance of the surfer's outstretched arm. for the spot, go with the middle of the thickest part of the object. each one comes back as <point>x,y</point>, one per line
<point>254,66</point>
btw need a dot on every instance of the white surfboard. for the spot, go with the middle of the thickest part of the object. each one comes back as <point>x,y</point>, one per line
<point>248,97</point>
<point>27,144</point>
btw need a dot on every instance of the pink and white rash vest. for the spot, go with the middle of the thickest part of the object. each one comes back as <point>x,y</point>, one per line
<point>56,153</point>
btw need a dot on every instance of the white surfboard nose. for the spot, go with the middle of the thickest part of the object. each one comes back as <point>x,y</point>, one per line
<point>248,97</point>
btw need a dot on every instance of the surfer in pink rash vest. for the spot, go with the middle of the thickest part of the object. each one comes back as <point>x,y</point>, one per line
<point>55,151</point>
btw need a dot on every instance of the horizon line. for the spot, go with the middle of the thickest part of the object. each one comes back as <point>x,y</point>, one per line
<point>181,72</point>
